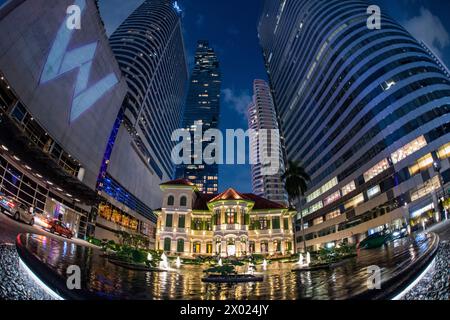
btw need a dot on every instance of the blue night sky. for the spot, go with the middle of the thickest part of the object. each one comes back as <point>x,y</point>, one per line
<point>230,26</point>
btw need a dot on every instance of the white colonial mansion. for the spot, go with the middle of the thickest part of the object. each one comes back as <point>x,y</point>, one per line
<point>228,224</point>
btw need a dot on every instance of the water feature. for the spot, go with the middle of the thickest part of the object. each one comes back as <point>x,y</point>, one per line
<point>264,265</point>
<point>220,263</point>
<point>164,263</point>
<point>178,262</point>
<point>301,261</point>
<point>109,281</point>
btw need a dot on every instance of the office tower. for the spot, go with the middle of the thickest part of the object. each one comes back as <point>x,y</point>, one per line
<point>202,109</point>
<point>150,50</point>
<point>262,116</point>
<point>365,111</point>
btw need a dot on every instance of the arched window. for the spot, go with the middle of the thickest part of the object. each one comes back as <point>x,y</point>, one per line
<point>183,201</point>
<point>180,245</point>
<point>167,244</point>
<point>170,201</point>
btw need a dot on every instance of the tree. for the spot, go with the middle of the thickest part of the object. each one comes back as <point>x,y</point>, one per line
<point>296,184</point>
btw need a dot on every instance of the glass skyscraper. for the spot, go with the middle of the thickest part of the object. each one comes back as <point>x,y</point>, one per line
<point>150,50</point>
<point>365,111</point>
<point>262,116</point>
<point>203,109</point>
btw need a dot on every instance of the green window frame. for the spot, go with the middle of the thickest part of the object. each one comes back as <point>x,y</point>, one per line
<point>182,221</point>
<point>169,220</point>
<point>180,245</point>
<point>167,244</point>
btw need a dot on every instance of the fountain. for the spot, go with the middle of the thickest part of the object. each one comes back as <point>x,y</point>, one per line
<point>264,265</point>
<point>164,264</point>
<point>178,262</point>
<point>220,262</point>
<point>251,268</point>
<point>300,259</point>
<point>308,259</point>
<point>149,257</point>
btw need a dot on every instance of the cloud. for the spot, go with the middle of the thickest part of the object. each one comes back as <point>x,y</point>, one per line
<point>239,101</point>
<point>429,29</point>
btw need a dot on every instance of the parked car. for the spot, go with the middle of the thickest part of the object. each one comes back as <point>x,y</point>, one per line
<point>375,240</point>
<point>398,234</point>
<point>56,226</point>
<point>15,209</point>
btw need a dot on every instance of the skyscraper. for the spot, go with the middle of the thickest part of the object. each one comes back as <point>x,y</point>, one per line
<point>365,111</point>
<point>150,50</point>
<point>203,109</point>
<point>262,116</point>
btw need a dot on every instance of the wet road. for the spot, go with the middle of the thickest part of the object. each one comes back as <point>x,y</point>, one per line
<point>105,280</point>
<point>9,229</point>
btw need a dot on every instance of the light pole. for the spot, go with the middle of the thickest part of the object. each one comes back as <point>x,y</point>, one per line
<point>437,168</point>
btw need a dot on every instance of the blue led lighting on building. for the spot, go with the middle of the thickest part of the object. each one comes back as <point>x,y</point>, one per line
<point>116,191</point>
<point>61,61</point>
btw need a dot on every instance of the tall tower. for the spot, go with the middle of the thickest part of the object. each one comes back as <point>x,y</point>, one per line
<point>262,116</point>
<point>203,109</point>
<point>365,111</point>
<point>150,50</point>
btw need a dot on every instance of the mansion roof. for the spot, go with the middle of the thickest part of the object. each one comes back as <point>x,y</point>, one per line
<point>260,203</point>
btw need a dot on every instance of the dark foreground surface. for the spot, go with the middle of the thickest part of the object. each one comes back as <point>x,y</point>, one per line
<point>103,280</point>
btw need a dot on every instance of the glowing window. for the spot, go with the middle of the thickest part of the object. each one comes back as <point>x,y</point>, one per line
<point>348,188</point>
<point>408,149</point>
<point>444,151</point>
<point>332,198</point>
<point>372,192</point>
<point>354,202</point>
<point>318,221</point>
<point>327,186</point>
<point>426,188</point>
<point>421,164</point>
<point>376,170</point>
<point>333,214</point>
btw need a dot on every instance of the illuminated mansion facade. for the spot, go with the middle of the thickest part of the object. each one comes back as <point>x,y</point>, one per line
<point>228,224</point>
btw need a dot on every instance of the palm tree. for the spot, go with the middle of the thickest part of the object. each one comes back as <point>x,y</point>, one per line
<point>296,179</point>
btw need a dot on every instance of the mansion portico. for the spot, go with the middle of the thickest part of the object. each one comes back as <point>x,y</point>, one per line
<point>228,224</point>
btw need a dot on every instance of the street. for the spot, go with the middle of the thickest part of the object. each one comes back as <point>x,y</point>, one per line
<point>9,229</point>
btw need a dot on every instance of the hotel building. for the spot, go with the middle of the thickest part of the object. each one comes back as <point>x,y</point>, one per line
<point>365,111</point>
<point>262,116</point>
<point>191,223</point>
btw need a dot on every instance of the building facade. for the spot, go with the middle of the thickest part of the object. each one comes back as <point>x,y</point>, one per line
<point>262,116</point>
<point>191,223</point>
<point>56,109</point>
<point>149,47</point>
<point>201,113</point>
<point>365,111</point>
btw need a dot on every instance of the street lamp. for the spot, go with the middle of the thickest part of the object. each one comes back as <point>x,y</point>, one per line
<point>437,168</point>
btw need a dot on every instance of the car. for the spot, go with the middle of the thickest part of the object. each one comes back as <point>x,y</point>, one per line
<point>56,226</point>
<point>375,240</point>
<point>15,209</point>
<point>398,234</point>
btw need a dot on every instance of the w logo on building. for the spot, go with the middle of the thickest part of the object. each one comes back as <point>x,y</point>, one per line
<point>61,61</point>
